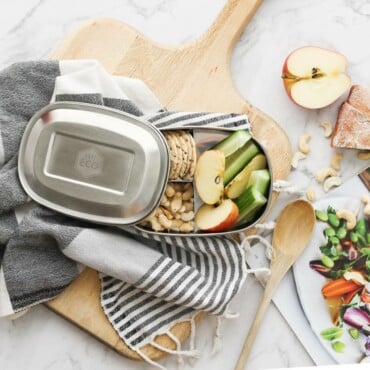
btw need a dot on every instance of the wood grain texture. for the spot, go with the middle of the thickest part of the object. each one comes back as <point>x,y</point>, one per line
<point>193,77</point>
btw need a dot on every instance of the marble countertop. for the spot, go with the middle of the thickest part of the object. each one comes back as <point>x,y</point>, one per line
<point>30,29</point>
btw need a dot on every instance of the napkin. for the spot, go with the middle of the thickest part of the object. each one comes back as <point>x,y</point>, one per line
<point>148,283</point>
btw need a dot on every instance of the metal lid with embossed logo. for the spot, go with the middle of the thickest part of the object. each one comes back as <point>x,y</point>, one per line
<point>94,163</point>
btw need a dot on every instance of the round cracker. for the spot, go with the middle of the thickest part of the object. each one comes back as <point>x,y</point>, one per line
<point>193,159</point>
<point>184,152</point>
<point>177,154</point>
<point>173,153</point>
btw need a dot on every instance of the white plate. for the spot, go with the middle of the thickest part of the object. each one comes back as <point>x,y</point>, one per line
<point>310,282</point>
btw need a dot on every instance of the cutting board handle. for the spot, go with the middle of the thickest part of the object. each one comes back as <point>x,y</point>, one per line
<point>230,23</point>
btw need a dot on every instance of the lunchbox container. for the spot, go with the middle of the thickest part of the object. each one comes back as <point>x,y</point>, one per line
<point>105,166</point>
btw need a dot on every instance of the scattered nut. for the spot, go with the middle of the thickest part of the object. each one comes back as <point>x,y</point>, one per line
<point>325,172</point>
<point>349,216</point>
<point>335,160</point>
<point>187,195</point>
<point>303,143</point>
<point>164,221</point>
<point>310,194</point>
<point>366,200</point>
<point>364,155</point>
<point>296,158</point>
<point>173,211</point>
<point>170,191</point>
<point>332,182</point>
<point>187,227</point>
<point>176,203</point>
<point>188,216</point>
<point>328,128</point>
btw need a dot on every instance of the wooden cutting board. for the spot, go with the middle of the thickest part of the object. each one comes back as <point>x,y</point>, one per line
<point>192,77</point>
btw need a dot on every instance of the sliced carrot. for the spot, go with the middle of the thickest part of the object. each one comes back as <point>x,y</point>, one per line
<point>365,296</point>
<point>338,287</point>
<point>349,296</point>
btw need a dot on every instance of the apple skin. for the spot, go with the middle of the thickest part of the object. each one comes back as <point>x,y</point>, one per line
<point>288,84</point>
<point>227,222</point>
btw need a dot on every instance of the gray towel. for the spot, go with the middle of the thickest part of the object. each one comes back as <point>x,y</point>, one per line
<point>148,283</point>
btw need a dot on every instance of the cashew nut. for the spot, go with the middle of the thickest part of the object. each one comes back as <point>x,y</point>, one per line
<point>170,191</point>
<point>176,202</point>
<point>188,194</point>
<point>167,213</point>
<point>349,216</point>
<point>325,172</point>
<point>164,221</point>
<point>188,216</point>
<point>331,182</point>
<point>156,226</point>
<point>335,160</point>
<point>303,143</point>
<point>296,158</point>
<point>188,206</point>
<point>186,227</point>
<point>366,199</point>
<point>310,194</point>
<point>364,155</point>
<point>328,128</point>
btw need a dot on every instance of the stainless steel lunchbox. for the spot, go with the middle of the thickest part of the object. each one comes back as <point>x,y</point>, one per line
<point>102,165</point>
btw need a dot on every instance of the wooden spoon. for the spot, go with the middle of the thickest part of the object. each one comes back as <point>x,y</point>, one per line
<point>293,231</point>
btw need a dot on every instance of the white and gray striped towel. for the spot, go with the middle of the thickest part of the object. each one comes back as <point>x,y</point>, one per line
<point>148,283</point>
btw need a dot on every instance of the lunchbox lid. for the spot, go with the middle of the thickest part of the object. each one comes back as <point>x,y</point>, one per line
<point>94,163</point>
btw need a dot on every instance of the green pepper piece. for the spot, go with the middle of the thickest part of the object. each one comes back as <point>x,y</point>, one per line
<point>327,261</point>
<point>341,233</point>
<point>354,236</point>
<point>354,333</point>
<point>333,220</point>
<point>361,227</point>
<point>338,346</point>
<point>334,240</point>
<point>329,232</point>
<point>321,215</point>
<point>331,333</point>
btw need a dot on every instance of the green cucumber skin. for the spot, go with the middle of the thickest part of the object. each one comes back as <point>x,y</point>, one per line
<point>236,162</point>
<point>260,179</point>
<point>233,142</point>
<point>249,203</point>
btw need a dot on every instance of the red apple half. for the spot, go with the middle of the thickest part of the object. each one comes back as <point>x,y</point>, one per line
<point>209,176</point>
<point>315,77</point>
<point>217,218</point>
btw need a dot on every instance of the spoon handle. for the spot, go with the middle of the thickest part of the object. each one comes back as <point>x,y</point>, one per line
<point>266,299</point>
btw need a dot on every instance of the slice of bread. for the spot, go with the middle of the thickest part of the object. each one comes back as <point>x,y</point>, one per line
<point>352,129</point>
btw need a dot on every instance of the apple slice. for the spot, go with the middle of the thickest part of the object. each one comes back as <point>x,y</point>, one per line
<point>315,77</point>
<point>220,218</point>
<point>209,175</point>
<point>240,181</point>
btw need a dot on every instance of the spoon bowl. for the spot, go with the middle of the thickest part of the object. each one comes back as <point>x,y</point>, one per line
<point>293,231</point>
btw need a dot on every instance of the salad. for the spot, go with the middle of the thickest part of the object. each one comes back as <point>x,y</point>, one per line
<point>345,262</point>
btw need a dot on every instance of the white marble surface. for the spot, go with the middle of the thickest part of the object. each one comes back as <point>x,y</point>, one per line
<point>30,29</point>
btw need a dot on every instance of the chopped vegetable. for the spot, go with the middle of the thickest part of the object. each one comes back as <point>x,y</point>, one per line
<point>354,333</point>
<point>233,142</point>
<point>356,317</point>
<point>318,266</point>
<point>260,179</point>
<point>331,333</point>
<point>338,287</point>
<point>333,220</point>
<point>338,346</point>
<point>327,261</point>
<point>322,216</point>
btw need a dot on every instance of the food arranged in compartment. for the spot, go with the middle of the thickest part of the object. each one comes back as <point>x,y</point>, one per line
<point>176,210</point>
<point>219,181</point>
<point>233,181</point>
<point>182,150</point>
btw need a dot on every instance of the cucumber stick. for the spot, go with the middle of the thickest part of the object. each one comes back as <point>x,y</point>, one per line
<point>260,179</point>
<point>233,142</point>
<point>249,204</point>
<point>238,160</point>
